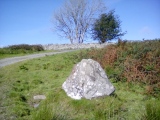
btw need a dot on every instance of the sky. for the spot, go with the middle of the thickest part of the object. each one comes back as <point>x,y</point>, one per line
<point>30,21</point>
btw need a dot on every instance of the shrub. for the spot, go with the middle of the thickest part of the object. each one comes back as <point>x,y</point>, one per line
<point>131,61</point>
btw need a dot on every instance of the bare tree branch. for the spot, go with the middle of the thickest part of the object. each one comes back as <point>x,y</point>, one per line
<point>75,17</point>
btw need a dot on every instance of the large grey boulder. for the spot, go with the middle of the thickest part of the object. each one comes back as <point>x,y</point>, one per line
<point>87,80</point>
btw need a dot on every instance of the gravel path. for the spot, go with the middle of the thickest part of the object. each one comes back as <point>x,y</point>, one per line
<point>8,61</point>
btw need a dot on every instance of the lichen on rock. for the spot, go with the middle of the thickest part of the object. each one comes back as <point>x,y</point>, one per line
<point>88,80</point>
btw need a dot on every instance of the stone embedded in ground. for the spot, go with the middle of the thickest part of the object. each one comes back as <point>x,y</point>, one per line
<point>87,80</point>
<point>36,105</point>
<point>39,97</point>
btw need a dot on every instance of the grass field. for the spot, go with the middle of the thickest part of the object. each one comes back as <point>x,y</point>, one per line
<point>135,97</point>
<point>3,56</point>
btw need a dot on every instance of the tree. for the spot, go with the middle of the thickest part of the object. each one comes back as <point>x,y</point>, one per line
<point>75,17</point>
<point>107,27</point>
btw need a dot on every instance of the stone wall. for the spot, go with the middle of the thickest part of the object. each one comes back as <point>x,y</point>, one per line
<point>73,46</point>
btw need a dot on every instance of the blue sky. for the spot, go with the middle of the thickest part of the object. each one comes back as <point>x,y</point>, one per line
<point>29,21</point>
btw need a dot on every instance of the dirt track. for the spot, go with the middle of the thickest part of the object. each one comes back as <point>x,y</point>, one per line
<point>12,60</point>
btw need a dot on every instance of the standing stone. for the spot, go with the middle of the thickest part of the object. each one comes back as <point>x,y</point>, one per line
<point>87,80</point>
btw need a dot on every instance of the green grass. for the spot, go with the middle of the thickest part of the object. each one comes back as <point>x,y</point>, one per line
<point>2,56</point>
<point>44,76</point>
<point>21,81</point>
<point>152,110</point>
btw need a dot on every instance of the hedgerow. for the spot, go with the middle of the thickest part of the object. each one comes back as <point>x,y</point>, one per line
<point>22,48</point>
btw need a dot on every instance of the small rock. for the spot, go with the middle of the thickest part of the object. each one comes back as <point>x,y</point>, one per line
<point>36,105</point>
<point>39,97</point>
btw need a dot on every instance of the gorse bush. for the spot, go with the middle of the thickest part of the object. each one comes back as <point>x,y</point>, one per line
<point>22,48</point>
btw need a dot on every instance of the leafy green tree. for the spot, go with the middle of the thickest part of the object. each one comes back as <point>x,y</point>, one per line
<point>107,27</point>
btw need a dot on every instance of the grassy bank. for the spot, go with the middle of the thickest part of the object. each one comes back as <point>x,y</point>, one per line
<point>133,69</point>
<point>131,62</point>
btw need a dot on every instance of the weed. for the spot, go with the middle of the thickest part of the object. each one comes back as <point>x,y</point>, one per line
<point>45,113</point>
<point>37,81</point>
<point>152,110</point>
<point>23,67</point>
